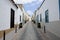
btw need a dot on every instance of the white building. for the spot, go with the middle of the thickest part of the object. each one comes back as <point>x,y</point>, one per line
<point>23,16</point>
<point>7,14</point>
<point>21,13</point>
<point>26,17</point>
<point>48,13</point>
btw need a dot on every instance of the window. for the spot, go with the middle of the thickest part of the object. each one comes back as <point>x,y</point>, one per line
<point>20,18</point>
<point>37,18</point>
<point>12,18</point>
<point>46,16</point>
<point>40,18</point>
<point>59,9</point>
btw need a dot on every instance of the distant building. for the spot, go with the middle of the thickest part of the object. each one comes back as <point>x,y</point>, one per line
<point>26,17</point>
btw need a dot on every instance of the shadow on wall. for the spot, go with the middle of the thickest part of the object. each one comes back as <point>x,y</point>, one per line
<point>53,27</point>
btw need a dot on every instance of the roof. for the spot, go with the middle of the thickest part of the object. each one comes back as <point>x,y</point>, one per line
<point>14,3</point>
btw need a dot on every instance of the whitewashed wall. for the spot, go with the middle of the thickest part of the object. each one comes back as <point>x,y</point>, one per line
<point>5,12</point>
<point>17,16</point>
<point>53,8</point>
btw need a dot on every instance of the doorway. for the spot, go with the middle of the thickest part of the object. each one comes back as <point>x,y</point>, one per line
<point>12,18</point>
<point>46,16</point>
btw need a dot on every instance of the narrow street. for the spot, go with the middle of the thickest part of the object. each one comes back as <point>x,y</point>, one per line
<point>29,19</point>
<point>30,33</point>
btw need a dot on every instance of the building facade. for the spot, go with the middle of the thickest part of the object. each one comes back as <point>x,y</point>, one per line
<point>8,9</point>
<point>48,14</point>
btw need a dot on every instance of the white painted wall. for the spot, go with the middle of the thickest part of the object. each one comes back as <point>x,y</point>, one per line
<point>53,27</point>
<point>17,16</point>
<point>54,24</point>
<point>53,8</point>
<point>5,10</point>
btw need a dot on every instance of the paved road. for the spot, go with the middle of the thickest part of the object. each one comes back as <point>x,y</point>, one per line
<point>30,33</point>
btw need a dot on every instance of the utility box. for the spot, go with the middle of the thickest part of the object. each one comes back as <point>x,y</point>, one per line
<point>39,25</point>
<point>20,25</point>
<point>34,22</point>
<point>25,21</point>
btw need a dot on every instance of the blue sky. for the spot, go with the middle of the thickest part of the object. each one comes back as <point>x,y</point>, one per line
<point>30,5</point>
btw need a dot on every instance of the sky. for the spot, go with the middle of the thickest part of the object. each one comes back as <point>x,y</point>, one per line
<point>30,5</point>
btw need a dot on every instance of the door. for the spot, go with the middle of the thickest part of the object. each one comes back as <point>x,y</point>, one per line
<point>12,18</point>
<point>46,16</point>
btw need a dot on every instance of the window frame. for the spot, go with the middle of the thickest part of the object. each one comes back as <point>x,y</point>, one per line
<point>47,16</point>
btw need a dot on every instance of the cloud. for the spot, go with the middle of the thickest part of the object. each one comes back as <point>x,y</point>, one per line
<point>39,1</point>
<point>29,12</point>
<point>32,6</point>
<point>36,2</point>
<point>26,1</point>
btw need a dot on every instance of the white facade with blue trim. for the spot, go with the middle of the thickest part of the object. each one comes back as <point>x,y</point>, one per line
<point>49,11</point>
